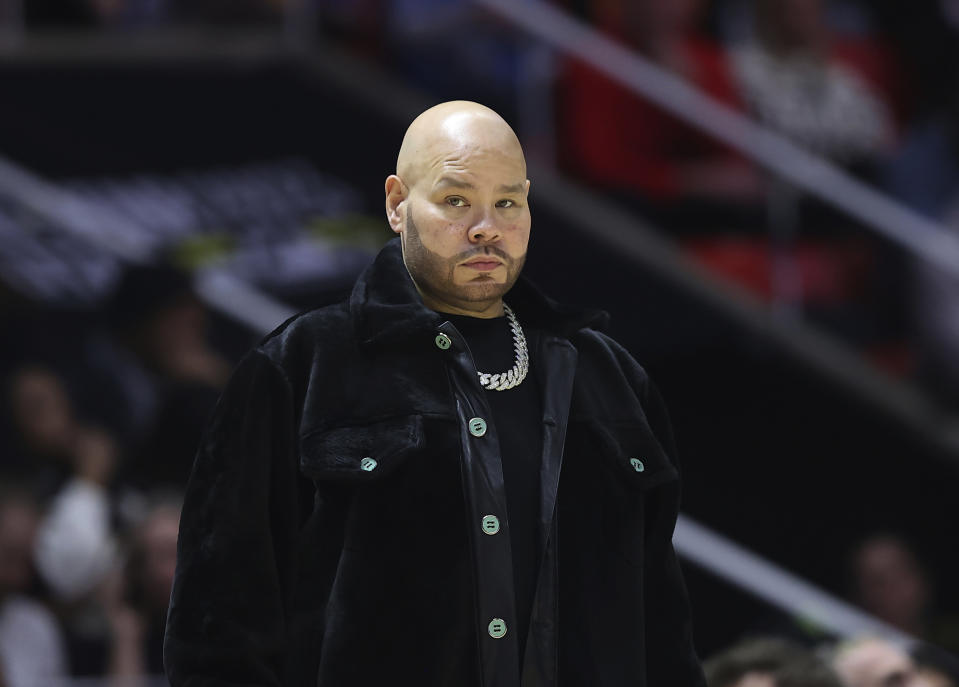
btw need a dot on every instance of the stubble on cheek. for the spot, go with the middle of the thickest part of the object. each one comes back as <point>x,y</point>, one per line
<point>435,273</point>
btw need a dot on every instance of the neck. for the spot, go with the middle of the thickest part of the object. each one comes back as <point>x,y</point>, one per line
<point>483,310</point>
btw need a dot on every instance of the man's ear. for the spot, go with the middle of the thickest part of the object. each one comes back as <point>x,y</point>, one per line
<point>396,194</point>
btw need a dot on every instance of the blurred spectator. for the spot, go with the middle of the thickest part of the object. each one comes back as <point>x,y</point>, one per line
<point>620,141</point>
<point>52,444</point>
<point>426,46</point>
<point>136,599</point>
<point>938,667</point>
<point>889,582</point>
<point>163,370</point>
<point>161,320</point>
<point>41,419</point>
<point>31,648</point>
<point>926,176</point>
<point>768,663</point>
<point>72,464</point>
<point>836,95</point>
<point>876,663</point>
<point>75,547</point>
<point>799,79</point>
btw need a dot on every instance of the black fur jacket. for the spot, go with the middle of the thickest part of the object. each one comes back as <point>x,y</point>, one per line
<point>332,531</point>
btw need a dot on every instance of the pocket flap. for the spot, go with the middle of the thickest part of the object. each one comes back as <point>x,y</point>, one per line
<point>362,451</point>
<point>636,453</point>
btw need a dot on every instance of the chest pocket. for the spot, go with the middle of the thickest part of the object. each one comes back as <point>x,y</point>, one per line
<point>633,454</point>
<point>360,453</point>
<point>635,468</point>
<point>366,476</point>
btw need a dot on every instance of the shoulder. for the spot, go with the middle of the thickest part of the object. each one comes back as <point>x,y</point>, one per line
<point>597,348</point>
<point>609,381</point>
<point>296,342</point>
<point>282,363</point>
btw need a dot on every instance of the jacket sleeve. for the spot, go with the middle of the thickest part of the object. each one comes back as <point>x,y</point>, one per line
<point>670,655</point>
<point>227,620</point>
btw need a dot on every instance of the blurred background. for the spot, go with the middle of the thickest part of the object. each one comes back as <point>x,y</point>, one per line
<point>763,193</point>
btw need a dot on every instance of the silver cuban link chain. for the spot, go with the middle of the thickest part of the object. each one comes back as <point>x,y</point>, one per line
<point>515,375</point>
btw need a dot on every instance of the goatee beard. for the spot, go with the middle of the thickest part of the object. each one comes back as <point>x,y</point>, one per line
<point>433,273</point>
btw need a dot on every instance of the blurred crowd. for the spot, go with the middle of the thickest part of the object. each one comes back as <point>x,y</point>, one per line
<point>861,662</point>
<point>99,424</point>
<point>100,415</point>
<point>861,84</point>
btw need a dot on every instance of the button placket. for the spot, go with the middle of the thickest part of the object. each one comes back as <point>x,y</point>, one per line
<point>494,592</point>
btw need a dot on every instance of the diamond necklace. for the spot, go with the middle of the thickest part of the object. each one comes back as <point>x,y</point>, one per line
<point>512,377</point>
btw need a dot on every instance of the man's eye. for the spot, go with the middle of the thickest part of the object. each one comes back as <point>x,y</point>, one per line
<point>506,203</point>
<point>456,202</point>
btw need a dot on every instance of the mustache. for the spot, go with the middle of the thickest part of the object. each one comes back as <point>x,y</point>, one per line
<point>482,251</point>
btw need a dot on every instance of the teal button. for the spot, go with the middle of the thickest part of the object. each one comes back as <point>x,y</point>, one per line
<point>497,628</point>
<point>490,524</point>
<point>443,342</point>
<point>637,464</point>
<point>368,464</point>
<point>477,426</point>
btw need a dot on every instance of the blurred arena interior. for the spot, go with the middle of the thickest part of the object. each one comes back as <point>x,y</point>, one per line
<point>763,194</point>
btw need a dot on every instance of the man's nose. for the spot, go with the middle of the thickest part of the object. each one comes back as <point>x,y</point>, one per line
<point>485,229</point>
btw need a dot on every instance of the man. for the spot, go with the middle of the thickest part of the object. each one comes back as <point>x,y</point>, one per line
<point>428,485</point>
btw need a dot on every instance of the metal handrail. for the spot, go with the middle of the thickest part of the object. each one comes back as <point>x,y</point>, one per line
<point>777,587</point>
<point>813,174</point>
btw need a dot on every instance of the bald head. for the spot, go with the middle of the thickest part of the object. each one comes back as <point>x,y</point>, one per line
<point>459,201</point>
<point>448,130</point>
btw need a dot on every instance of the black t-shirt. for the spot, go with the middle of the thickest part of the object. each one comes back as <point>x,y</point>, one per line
<point>518,417</point>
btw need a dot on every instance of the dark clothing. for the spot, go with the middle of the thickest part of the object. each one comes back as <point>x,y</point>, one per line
<point>331,533</point>
<point>518,415</point>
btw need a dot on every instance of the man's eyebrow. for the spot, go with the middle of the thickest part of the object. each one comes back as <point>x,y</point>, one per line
<point>451,182</point>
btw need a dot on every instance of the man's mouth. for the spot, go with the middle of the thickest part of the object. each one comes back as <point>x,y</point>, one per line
<point>483,265</point>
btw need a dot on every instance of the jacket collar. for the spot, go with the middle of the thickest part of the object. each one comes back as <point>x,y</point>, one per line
<point>386,307</point>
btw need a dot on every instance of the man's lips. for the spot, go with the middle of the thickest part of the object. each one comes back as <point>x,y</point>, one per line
<point>483,265</point>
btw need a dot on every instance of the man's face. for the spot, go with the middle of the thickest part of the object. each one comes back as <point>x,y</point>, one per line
<point>890,583</point>
<point>466,225</point>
